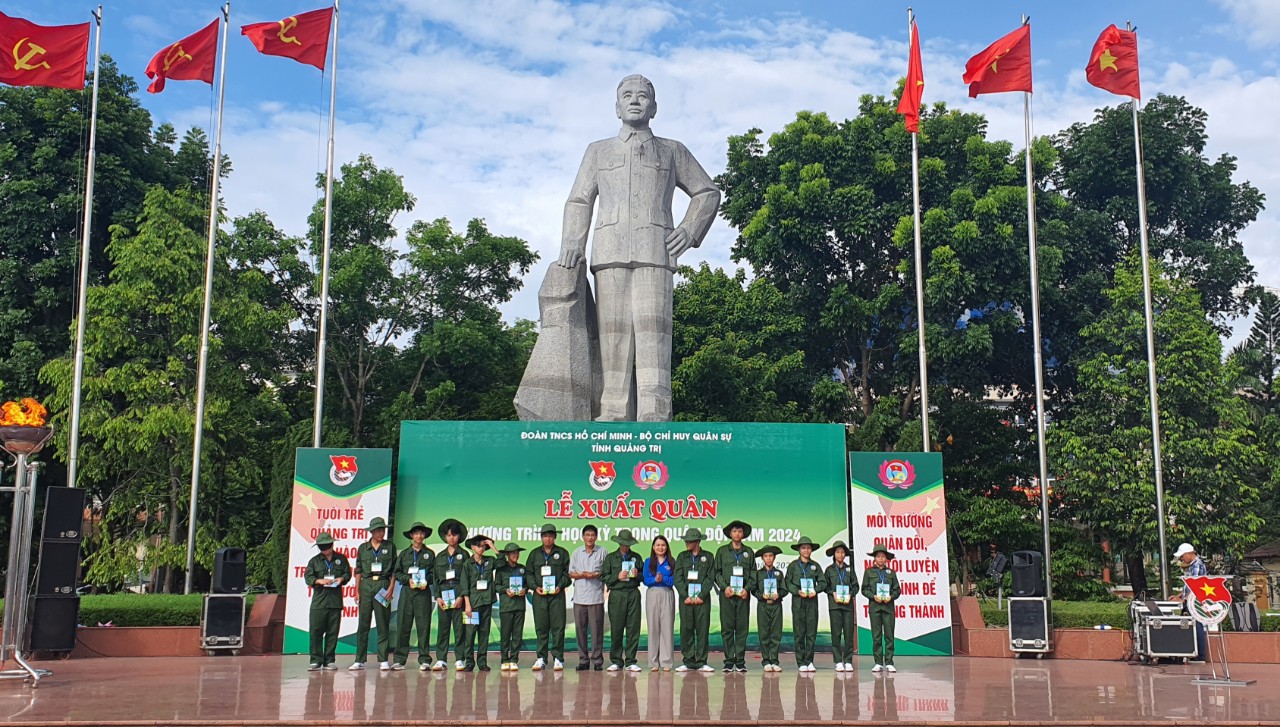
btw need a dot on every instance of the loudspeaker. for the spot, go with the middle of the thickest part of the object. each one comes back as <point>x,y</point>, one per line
<point>59,568</point>
<point>63,514</point>
<point>53,623</point>
<point>229,570</point>
<point>1028,573</point>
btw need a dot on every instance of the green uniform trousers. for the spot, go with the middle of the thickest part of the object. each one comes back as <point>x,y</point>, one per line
<point>449,620</point>
<point>324,634</point>
<point>548,622</point>
<point>476,646</point>
<point>415,610</point>
<point>735,626</point>
<point>381,616</point>
<point>882,618</point>
<point>804,625</point>
<point>844,635</point>
<point>769,626</point>
<point>695,625</point>
<point>511,635</point>
<point>624,626</point>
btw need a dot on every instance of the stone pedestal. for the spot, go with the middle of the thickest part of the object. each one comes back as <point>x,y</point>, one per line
<point>563,379</point>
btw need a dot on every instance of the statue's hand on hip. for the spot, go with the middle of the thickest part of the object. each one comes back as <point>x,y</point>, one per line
<point>679,242</point>
<point>570,258</point>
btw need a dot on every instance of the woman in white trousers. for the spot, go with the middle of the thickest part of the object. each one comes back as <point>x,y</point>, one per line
<point>660,605</point>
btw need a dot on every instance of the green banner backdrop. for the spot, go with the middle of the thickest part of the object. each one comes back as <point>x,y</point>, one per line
<point>505,479</point>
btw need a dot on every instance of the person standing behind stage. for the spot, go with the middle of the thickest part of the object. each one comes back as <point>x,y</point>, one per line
<point>805,581</point>
<point>844,629</point>
<point>449,583</point>
<point>622,576</point>
<point>660,604</point>
<point>695,575</point>
<point>549,568</point>
<point>880,586</point>
<point>1188,558</point>
<point>585,567</point>
<point>375,589</point>
<point>413,573</point>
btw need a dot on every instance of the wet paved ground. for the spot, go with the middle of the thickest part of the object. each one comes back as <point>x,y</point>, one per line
<point>265,690</point>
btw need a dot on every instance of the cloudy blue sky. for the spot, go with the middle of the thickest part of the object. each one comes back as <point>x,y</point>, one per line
<point>485,106</point>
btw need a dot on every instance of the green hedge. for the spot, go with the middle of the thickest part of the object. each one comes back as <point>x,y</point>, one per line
<point>1087,614</point>
<point>131,609</point>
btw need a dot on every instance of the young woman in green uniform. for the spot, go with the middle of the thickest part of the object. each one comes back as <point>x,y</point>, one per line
<point>844,629</point>
<point>769,587</point>
<point>480,597</point>
<point>327,572</point>
<point>512,580</point>
<point>805,580</point>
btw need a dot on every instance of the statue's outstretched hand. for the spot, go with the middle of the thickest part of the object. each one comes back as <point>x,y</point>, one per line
<point>679,242</point>
<point>570,258</point>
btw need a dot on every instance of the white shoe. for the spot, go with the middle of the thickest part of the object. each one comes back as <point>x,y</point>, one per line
<point>459,665</point>
<point>682,668</point>
<point>438,666</point>
<point>848,666</point>
<point>891,669</point>
<point>505,667</point>
<point>313,667</point>
<point>706,668</point>
<point>357,666</point>
<point>539,665</point>
<point>384,666</point>
<point>424,666</point>
<point>877,667</point>
<point>397,666</point>
<point>614,667</point>
<point>330,667</point>
<point>559,665</point>
<point>634,667</point>
<point>840,666</point>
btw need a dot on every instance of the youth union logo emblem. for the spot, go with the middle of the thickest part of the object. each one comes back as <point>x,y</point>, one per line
<point>650,474</point>
<point>602,475</point>
<point>897,473</point>
<point>344,469</point>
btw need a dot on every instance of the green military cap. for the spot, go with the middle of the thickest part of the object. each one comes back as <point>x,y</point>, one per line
<point>769,549</point>
<point>804,540</point>
<point>746,529</point>
<point>839,544</point>
<point>377,524</point>
<point>324,539</point>
<point>417,525</point>
<point>473,542</point>
<point>511,548</point>
<point>549,529</point>
<point>452,524</point>
<point>692,535</point>
<point>880,547</point>
<point>624,537</point>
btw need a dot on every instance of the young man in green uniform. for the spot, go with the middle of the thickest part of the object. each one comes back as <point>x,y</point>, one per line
<point>375,589</point>
<point>621,575</point>
<point>549,568</point>
<point>480,597</point>
<point>735,562</point>
<point>844,628</point>
<point>449,584</point>
<point>880,586</point>
<point>805,581</point>
<point>327,572</point>
<point>695,575</point>
<point>413,572</point>
<point>769,586</point>
<point>511,604</point>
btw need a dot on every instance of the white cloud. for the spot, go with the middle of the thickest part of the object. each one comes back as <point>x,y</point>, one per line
<point>1260,17</point>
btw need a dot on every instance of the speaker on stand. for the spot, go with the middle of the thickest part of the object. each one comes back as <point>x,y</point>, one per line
<point>55,607</point>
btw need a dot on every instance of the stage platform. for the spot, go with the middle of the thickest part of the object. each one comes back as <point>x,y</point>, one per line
<point>275,690</point>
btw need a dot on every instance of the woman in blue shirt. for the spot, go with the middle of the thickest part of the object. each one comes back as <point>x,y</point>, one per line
<point>660,604</point>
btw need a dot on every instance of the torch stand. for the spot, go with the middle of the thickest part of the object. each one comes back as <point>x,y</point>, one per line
<point>17,585</point>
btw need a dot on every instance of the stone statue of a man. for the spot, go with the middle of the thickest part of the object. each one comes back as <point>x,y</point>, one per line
<point>634,250</point>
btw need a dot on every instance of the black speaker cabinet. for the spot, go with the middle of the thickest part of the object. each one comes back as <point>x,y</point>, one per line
<point>53,623</point>
<point>63,514</point>
<point>229,568</point>
<point>1028,574</point>
<point>59,568</point>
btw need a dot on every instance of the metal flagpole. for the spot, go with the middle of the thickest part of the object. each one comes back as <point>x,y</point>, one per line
<point>318,417</point>
<point>203,371</point>
<point>1039,353</point>
<point>73,451</point>
<point>915,211</point>
<point>1148,311</point>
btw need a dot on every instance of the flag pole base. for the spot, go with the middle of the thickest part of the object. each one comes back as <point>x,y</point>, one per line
<point>1209,681</point>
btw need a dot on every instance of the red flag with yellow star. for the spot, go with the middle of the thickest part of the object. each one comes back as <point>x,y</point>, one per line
<point>1005,65</point>
<point>604,469</point>
<point>190,59</point>
<point>1209,589</point>
<point>913,89</point>
<point>42,55</point>
<point>1113,65</point>
<point>303,37</point>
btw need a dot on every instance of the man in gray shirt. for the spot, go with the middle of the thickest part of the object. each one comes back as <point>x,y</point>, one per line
<point>585,566</point>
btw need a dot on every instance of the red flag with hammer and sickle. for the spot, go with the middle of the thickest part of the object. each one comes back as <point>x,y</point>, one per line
<point>303,37</point>
<point>43,55</point>
<point>190,59</point>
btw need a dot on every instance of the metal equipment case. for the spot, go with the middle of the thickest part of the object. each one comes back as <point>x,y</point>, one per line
<point>1030,626</point>
<point>222,623</point>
